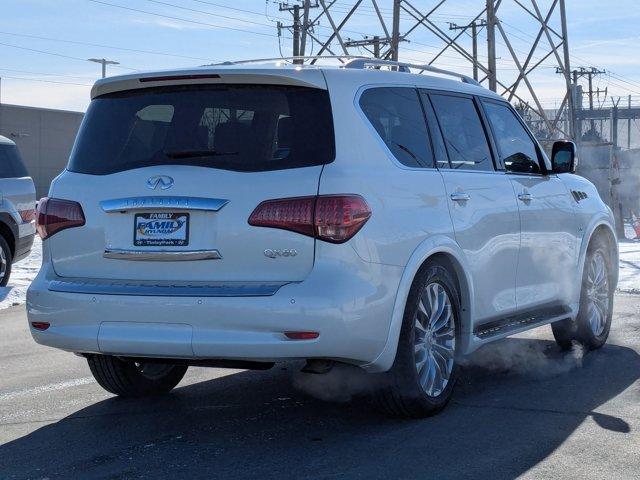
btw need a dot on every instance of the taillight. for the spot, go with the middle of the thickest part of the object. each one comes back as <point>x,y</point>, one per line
<point>28,216</point>
<point>55,214</point>
<point>332,218</point>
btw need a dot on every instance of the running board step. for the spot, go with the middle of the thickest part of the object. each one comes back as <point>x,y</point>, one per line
<point>517,322</point>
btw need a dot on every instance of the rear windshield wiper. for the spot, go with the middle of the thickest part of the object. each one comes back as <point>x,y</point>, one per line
<point>197,153</point>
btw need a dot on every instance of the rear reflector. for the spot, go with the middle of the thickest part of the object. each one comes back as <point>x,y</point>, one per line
<point>332,218</point>
<point>40,325</point>
<point>302,335</point>
<point>55,214</point>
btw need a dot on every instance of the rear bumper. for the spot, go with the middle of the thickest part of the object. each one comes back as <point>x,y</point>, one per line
<point>348,304</point>
<point>23,246</point>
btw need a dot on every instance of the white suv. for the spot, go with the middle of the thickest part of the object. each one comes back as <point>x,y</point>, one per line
<point>239,215</point>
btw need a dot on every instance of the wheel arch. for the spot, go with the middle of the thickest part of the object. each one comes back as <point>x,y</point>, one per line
<point>9,230</point>
<point>602,230</point>
<point>446,252</point>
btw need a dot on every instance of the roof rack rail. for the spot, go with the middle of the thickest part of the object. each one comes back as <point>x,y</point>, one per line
<point>363,62</point>
<point>286,59</point>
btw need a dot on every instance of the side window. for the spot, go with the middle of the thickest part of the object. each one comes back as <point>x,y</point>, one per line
<point>463,133</point>
<point>517,150</point>
<point>397,116</point>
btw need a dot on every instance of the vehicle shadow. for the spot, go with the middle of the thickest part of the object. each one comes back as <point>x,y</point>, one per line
<point>515,405</point>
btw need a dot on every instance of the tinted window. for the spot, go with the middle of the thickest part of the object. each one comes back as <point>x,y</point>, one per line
<point>463,133</point>
<point>517,151</point>
<point>397,116</point>
<point>11,165</point>
<point>242,128</point>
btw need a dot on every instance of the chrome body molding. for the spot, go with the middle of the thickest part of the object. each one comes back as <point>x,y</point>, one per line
<point>162,289</point>
<point>162,255</point>
<point>164,202</point>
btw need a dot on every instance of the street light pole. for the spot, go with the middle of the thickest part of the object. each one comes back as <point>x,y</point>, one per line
<point>104,62</point>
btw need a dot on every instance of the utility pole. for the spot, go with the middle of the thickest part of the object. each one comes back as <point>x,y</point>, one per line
<point>474,38</point>
<point>629,127</point>
<point>299,28</point>
<point>395,32</point>
<point>590,73</point>
<point>374,42</point>
<point>104,62</point>
<point>491,45</point>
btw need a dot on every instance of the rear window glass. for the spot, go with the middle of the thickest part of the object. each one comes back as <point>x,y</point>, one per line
<point>242,128</point>
<point>11,165</point>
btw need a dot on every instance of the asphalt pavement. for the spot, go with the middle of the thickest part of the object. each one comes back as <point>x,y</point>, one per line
<point>522,409</point>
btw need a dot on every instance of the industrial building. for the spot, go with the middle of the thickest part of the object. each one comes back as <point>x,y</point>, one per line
<point>45,138</point>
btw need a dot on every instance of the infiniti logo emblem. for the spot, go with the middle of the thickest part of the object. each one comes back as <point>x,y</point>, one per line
<point>163,182</point>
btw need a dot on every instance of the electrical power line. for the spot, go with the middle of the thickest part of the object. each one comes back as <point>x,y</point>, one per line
<point>45,52</point>
<point>99,45</point>
<point>46,81</point>
<point>171,17</point>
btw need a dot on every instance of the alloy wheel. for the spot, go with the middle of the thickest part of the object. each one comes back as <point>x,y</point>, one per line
<point>434,339</point>
<point>597,289</point>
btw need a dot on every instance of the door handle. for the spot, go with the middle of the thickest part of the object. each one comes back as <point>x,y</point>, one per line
<point>460,197</point>
<point>525,197</point>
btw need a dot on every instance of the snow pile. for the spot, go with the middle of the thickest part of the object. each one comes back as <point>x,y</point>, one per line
<point>25,271</point>
<point>21,276</point>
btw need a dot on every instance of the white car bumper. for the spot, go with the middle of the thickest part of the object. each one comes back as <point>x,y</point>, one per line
<point>349,308</point>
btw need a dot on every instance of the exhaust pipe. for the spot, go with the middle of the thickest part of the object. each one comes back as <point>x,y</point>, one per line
<point>318,366</point>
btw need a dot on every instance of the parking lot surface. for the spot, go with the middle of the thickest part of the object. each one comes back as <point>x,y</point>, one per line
<point>522,409</point>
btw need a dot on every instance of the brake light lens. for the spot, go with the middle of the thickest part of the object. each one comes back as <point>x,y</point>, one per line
<point>331,218</point>
<point>28,216</point>
<point>54,215</point>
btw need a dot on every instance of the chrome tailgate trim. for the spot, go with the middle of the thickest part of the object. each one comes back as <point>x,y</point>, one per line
<point>164,202</point>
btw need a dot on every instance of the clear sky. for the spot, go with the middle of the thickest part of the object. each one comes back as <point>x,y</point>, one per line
<point>44,44</point>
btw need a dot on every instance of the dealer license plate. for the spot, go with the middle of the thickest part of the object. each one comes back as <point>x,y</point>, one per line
<point>161,230</point>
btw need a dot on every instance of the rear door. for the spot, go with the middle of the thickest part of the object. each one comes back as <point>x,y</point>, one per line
<point>482,204</point>
<point>168,177</point>
<point>548,255</point>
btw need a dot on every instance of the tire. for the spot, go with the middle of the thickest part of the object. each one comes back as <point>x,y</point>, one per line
<point>129,379</point>
<point>6,259</point>
<point>411,390</point>
<point>593,322</point>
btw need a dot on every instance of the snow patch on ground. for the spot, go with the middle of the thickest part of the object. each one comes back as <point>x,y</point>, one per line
<point>25,271</point>
<point>21,277</point>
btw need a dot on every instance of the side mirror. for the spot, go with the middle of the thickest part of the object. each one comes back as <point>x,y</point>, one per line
<point>564,157</point>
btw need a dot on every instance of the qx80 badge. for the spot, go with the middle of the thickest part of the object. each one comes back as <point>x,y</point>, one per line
<point>275,253</point>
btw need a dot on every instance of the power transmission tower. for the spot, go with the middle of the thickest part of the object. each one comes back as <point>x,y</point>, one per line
<point>549,41</point>
<point>474,39</point>
<point>300,27</point>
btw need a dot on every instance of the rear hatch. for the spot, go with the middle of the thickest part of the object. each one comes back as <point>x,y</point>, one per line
<point>168,176</point>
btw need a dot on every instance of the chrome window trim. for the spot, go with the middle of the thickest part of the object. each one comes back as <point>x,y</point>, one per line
<point>162,202</point>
